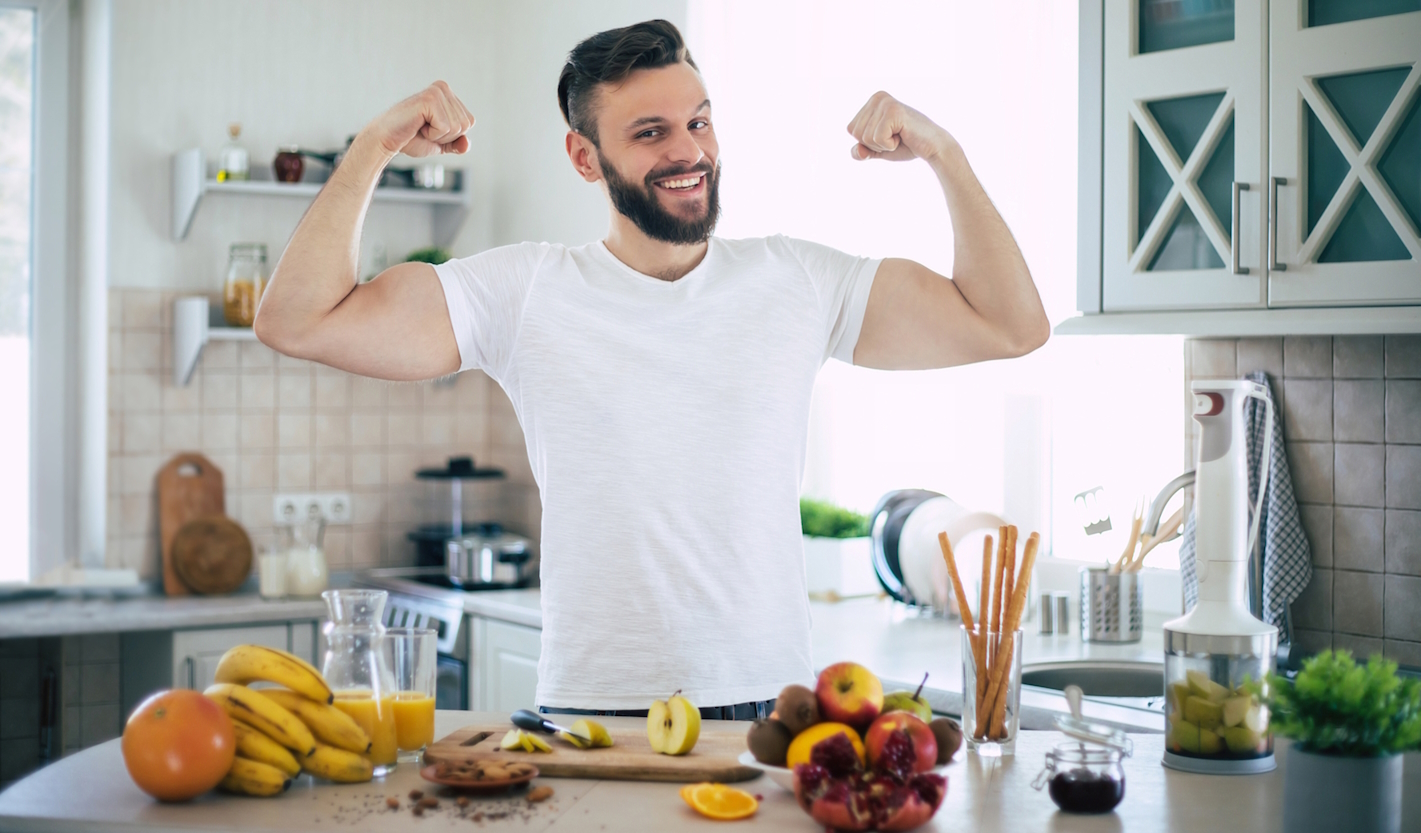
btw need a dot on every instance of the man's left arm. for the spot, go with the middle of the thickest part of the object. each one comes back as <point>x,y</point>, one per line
<point>917,319</point>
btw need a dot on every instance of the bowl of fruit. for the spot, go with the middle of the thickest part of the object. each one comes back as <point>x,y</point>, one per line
<point>853,757</point>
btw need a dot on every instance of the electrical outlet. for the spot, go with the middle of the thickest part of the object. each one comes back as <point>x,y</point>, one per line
<point>334,507</point>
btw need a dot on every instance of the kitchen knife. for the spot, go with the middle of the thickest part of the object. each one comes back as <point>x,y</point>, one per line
<point>535,722</point>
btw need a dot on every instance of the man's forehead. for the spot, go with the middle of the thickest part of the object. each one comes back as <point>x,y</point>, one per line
<point>650,95</point>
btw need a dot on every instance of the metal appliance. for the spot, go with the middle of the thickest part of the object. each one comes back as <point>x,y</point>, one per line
<point>1217,655</point>
<point>489,557</point>
<point>456,500</point>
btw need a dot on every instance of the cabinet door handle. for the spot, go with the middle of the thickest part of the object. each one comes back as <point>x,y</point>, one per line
<point>1273,264</point>
<point>1239,188</point>
<point>191,672</point>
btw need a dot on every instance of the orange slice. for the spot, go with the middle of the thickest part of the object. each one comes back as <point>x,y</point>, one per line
<point>717,801</point>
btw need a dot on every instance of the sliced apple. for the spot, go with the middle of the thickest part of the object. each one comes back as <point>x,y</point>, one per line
<point>1184,735</point>
<point>1241,739</point>
<point>596,732</point>
<point>535,743</point>
<point>513,741</point>
<point>1235,708</point>
<point>1256,718</point>
<point>1209,743</point>
<point>1206,714</point>
<point>1201,685</point>
<point>1179,692</point>
<point>673,725</point>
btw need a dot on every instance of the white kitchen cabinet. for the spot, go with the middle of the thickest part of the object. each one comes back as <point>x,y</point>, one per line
<point>1259,157</point>
<point>196,653</point>
<point>504,666</point>
<point>1185,127</point>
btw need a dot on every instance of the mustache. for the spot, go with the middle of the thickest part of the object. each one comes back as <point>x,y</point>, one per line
<point>704,166</point>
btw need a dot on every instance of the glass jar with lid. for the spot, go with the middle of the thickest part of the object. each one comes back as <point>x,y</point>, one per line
<point>1086,774</point>
<point>246,278</point>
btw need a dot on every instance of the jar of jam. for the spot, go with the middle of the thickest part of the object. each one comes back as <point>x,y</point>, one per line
<point>1085,773</point>
<point>1083,779</point>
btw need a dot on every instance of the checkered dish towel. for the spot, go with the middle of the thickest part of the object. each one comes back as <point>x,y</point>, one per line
<point>1287,560</point>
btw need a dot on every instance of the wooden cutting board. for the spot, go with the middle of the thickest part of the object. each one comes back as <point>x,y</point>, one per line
<point>628,759</point>
<point>212,554</point>
<point>189,487</point>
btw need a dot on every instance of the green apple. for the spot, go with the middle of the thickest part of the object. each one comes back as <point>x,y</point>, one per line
<point>1209,742</point>
<point>1256,718</point>
<point>1179,692</point>
<point>1206,714</point>
<point>1235,708</point>
<point>673,725</point>
<point>1201,685</point>
<point>905,701</point>
<point>1183,735</point>
<point>1241,739</point>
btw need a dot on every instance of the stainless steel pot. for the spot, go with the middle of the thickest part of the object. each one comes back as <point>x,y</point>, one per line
<point>499,559</point>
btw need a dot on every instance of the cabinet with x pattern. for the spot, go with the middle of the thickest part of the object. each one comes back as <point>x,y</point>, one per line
<point>1259,154</point>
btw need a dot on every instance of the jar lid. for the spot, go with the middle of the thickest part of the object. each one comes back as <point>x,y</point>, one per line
<point>1086,731</point>
<point>459,468</point>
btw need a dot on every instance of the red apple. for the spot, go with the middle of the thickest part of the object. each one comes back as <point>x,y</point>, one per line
<point>919,734</point>
<point>849,693</point>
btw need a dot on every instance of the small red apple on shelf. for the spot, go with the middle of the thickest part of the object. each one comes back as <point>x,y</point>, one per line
<point>921,739</point>
<point>849,693</point>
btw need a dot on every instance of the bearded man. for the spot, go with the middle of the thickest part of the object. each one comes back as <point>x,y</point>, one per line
<point>662,375</point>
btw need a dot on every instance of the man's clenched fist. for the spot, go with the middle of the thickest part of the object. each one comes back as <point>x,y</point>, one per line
<point>886,128</point>
<point>430,122</point>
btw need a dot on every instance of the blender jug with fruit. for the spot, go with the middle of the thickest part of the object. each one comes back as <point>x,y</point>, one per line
<point>1217,655</point>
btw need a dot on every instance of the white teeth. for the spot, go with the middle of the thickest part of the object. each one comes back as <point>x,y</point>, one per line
<point>680,184</point>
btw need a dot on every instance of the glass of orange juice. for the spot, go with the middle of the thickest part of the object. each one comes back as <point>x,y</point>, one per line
<point>412,655</point>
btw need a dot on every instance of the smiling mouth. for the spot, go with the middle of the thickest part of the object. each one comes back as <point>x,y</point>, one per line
<point>685,183</point>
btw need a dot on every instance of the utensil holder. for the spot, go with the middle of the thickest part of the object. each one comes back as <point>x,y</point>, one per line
<point>1112,606</point>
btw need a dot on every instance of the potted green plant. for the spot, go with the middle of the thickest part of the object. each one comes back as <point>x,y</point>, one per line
<point>1349,724</point>
<point>836,550</point>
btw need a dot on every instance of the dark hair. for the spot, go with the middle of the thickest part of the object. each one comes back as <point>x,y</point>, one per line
<point>610,56</point>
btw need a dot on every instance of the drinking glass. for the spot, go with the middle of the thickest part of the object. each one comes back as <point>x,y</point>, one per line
<point>412,655</point>
<point>991,728</point>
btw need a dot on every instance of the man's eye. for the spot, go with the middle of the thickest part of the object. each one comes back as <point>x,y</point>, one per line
<point>646,134</point>
<point>699,123</point>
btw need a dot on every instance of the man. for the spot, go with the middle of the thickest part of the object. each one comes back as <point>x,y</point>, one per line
<point>662,376</point>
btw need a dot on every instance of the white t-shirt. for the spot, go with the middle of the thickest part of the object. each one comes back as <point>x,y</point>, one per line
<point>666,424</point>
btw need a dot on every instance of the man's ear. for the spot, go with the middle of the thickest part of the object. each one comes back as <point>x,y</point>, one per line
<point>583,155</point>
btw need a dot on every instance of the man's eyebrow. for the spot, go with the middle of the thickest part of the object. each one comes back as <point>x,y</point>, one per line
<point>646,120</point>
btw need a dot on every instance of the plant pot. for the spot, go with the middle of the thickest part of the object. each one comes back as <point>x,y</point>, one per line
<point>843,566</point>
<point>1331,793</point>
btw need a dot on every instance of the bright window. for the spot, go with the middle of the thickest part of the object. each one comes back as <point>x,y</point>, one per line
<point>17,94</point>
<point>1024,436</point>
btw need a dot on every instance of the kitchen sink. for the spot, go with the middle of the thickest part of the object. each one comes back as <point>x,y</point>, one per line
<point>1098,678</point>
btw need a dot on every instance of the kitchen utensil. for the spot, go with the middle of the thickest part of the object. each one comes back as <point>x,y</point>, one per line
<point>1167,532</point>
<point>482,785</point>
<point>1112,606</point>
<point>212,555</point>
<point>489,557</point>
<point>356,669</point>
<point>784,776</point>
<point>534,722</point>
<point>1091,511</point>
<point>288,164</point>
<point>189,486</point>
<point>1217,655</point>
<point>1137,520</point>
<point>630,758</point>
<point>413,657</point>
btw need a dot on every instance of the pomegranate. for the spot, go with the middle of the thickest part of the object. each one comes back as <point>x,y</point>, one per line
<point>837,792</point>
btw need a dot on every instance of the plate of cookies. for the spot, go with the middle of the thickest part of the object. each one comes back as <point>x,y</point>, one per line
<point>481,776</point>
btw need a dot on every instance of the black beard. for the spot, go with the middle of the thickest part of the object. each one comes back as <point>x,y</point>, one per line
<point>641,206</point>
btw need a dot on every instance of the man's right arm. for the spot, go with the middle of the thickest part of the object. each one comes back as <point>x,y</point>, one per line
<point>397,326</point>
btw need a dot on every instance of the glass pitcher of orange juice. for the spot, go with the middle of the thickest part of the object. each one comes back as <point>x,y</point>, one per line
<point>357,670</point>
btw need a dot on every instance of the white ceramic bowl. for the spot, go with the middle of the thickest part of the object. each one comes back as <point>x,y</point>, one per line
<point>783,776</point>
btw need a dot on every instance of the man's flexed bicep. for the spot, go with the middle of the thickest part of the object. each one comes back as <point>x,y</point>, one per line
<point>395,327</point>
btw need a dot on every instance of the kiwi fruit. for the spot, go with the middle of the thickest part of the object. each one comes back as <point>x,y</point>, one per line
<point>769,741</point>
<point>949,738</point>
<point>798,708</point>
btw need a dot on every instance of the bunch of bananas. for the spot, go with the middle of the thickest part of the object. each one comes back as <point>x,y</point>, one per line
<point>282,732</point>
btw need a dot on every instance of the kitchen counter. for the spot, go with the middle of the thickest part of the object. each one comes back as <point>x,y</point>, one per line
<point>66,615</point>
<point>91,791</point>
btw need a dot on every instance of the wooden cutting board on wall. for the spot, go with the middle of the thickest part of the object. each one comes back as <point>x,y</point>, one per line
<point>189,487</point>
<point>628,759</point>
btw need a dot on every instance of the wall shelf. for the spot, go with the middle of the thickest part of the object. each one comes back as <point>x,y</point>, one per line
<point>1256,322</point>
<point>192,329</point>
<point>191,183</point>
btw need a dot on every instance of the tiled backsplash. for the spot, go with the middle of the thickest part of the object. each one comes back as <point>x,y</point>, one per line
<point>1351,409</point>
<point>274,424</point>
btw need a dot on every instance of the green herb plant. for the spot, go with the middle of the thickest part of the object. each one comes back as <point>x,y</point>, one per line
<point>1337,707</point>
<point>433,254</point>
<point>821,519</point>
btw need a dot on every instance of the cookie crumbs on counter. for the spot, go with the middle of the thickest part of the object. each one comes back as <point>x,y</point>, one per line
<point>416,795</point>
<point>417,810</point>
<point>393,803</point>
<point>429,802</point>
<point>462,801</point>
<point>539,794</point>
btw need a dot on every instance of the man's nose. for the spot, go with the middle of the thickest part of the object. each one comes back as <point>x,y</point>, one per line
<point>684,149</point>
